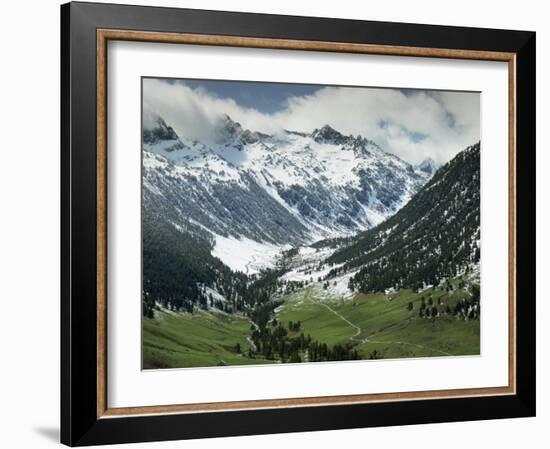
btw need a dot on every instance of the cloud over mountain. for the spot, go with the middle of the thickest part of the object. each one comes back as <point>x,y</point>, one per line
<point>413,124</point>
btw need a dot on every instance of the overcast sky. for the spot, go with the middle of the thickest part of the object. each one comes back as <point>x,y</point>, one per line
<point>413,124</point>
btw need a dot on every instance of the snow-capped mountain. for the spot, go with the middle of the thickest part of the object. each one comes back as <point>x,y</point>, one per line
<point>427,167</point>
<point>284,189</point>
<point>436,236</point>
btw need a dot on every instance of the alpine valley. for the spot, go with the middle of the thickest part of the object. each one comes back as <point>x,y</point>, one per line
<point>304,247</point>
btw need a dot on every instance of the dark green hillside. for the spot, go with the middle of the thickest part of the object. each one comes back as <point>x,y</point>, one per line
<point>435,236</point>
<point>175,265</point>
<point>178,269</point>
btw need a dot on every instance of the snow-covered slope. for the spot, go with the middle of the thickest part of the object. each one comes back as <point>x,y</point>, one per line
<point>284,189</point>
<point>436,236</point>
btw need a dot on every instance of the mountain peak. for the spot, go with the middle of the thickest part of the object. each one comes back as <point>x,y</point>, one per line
<point>230,127</point>
<point>428,166</point>
<point>159,131</point>
<point>232,133</point>
<point>327,134</point>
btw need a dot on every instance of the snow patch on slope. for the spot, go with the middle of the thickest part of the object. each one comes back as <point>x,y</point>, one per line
<point>245,255</point>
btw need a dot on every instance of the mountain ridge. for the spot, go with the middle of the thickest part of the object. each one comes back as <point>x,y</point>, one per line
<point>296,187</point>
<point>434,237</point>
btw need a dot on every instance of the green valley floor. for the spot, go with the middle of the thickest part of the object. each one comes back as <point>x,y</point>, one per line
<point>384,326</point>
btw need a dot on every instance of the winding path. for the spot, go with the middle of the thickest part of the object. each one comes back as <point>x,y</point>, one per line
<point>357,328</point>
<point>358,331</point>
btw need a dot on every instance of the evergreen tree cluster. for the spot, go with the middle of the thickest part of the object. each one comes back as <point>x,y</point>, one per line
<point>286,343</point>
<point>469,309</point>
<point>465,309</point>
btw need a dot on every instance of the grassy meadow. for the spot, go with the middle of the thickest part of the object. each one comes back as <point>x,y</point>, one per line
<point>377,325</point>
<point>185,340</point>
<point>383,322</point>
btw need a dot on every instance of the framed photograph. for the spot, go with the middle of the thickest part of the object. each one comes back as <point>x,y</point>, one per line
<point>281,224</point>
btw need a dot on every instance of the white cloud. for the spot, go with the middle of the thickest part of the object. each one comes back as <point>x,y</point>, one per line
<point>414,125</point>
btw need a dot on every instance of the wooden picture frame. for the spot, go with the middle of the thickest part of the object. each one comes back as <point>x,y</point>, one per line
<point>86,28</point>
